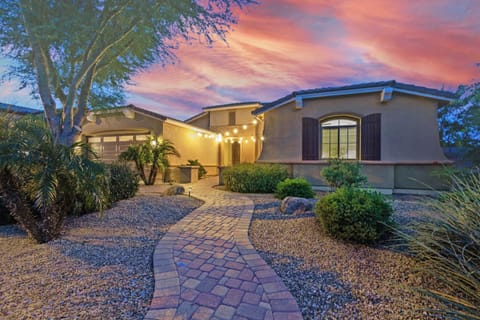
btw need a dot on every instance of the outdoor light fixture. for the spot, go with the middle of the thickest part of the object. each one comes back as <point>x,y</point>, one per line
<point>219,138</point>
<point>255,121</point>
<point>235,130</point>
<point>189,191</point>
<point>199,134</point>
<point>262,138</point>
<point>227,133</point>
<point>244,127</point>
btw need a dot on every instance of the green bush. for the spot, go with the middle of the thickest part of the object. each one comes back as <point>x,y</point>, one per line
<point>254,178</point>
<point>297,187</point>
<point>354,215</point>
<point>123,181</point>
<point>447,247</point>
<point>343,174</point>
<point>202,172</point>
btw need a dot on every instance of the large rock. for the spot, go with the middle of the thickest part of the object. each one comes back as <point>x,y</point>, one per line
<point>295,205</point>
<point>174,190</point>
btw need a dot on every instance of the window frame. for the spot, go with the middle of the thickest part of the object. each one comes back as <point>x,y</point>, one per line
<point>357,121</point>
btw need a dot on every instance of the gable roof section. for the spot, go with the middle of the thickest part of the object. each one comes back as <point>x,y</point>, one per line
<point>238,105</point>
<point>18,109</point>
<point>196,117</point>
<point>369,87</point>
<point>151,114</point>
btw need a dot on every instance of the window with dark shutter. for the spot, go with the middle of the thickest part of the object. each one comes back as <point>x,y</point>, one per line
<point>310,139</point>
<point>371,136</point>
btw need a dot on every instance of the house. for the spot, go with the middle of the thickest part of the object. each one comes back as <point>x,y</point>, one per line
<point>18,110</point>
<point>239,130</point>
<point>390,127</point>
<point>109,132</point>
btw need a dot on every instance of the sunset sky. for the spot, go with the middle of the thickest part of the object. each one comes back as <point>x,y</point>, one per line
<point>280,46</point>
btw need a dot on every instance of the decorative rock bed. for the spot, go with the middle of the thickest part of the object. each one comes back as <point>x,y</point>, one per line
<point>100,268</point>
<point>331,279</point>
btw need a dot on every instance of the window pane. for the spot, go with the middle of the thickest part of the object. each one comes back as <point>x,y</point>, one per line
<point>330,123</point>
<point>110,139</point>
<point>333,135</point>
<point>333,151</point>
<point>125,138</point>
<point>345,122</point>
<point>94,139</point>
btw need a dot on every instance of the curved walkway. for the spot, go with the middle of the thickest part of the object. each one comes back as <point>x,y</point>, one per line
<point>206,268</point>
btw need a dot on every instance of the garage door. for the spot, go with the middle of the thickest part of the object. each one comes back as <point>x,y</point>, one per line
<point>108,148</point>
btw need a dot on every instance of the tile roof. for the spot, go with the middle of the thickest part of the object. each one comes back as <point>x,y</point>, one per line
<point>18,109</point>
<point>446,95</point>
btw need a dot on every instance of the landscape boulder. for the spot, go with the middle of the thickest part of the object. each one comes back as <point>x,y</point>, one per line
<point>295,205</point>
<point>174,190</point>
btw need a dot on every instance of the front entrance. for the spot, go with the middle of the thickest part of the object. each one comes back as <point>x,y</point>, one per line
<point>235,153</point>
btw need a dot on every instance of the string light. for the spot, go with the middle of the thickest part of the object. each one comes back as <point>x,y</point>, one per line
<point>244,127</point>
<point>235,130</point>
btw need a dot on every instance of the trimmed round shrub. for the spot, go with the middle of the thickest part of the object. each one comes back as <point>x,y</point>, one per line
<point>254,178</point>
<point>123,181</point>
<point>297,187</point>
<point>354,215</point>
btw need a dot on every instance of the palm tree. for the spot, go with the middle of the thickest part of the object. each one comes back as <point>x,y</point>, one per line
<point>154,152</point>
<point>39,179</point>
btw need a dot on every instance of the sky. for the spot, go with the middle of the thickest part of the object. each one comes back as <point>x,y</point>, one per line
<point>280,46</point>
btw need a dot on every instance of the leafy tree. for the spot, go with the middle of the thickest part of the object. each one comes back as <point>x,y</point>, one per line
<point>80,54</point>
<point>40,180</point>
<point>153,153</point>
<point>459,122</point>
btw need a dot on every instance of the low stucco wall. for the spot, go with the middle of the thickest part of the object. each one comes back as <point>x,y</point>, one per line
<point>396,177</point>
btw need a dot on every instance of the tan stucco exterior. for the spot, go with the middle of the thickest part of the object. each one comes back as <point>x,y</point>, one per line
<point>409,129</point>
<point>245,134</point>
<point>410,146</point>
<point>191,142</point>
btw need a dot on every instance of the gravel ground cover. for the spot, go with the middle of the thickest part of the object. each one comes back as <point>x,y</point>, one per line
<point>100,268</point>
<point>331,279</point>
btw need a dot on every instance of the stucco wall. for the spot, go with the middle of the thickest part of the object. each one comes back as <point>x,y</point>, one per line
<point>409,129</point>
<point>191,146</point>
<point>395,177</point>
<point>220,117</point>
<point>202,122</point>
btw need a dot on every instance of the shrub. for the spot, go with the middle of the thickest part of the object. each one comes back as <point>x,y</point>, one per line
<point>123,181</point>
<point>340,173</point>
<point>254,178</point>
<point>40,179</point>
<point>354,215</point>
<point>201,171</point>
<point>447,247</point>
<point>297,187</point>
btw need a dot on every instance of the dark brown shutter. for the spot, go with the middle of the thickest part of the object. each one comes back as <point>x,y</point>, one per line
<point>232,118</point>
<point>309,139</point>
<point>371,136</point>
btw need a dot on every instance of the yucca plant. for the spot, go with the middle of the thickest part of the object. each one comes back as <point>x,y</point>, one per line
<point>39,179</point>
<point>154,152</point>
<point>447,247</point>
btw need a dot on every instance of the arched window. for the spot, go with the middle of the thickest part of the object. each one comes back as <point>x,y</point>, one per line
<point>339,138</point>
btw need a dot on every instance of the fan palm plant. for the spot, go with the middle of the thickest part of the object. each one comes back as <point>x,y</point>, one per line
<point>154,152</point>
<point>39,179</point>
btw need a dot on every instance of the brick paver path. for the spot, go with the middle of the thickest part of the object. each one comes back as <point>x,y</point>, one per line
<point>206,268</point>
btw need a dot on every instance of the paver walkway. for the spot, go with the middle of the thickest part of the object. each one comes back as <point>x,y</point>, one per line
<point>206,268</point>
